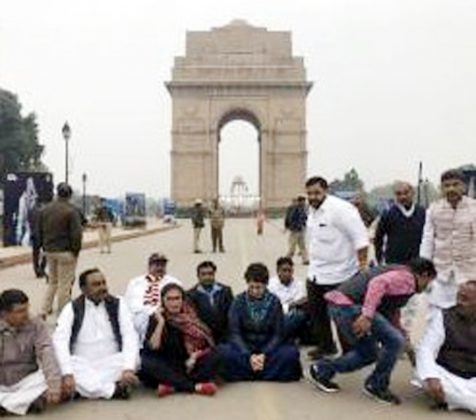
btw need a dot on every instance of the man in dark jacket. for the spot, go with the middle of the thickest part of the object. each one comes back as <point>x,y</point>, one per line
<point>198,223</point>
<point>400,229</point>
<point>60,237</point>
<point>295,222</point>
<point>212,300</point>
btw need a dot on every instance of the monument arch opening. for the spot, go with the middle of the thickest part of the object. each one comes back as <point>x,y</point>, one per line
<point>239,164</point>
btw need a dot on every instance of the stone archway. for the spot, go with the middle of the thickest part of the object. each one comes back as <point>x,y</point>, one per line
<point>238,72</point>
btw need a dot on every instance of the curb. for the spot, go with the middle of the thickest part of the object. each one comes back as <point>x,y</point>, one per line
<point>26,257</point>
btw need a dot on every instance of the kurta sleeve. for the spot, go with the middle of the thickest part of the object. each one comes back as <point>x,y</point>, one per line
<point>140,313</point>
<point>235,328</point>
<point>429,346</point>
<point>130,339</point>
<point>277,321</point>
<point>45,353</point>
<point>62,337</point>
<point>428,240</point>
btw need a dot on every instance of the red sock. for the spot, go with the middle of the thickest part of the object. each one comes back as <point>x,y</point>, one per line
<point>164,390</point>
<point>206,388</point>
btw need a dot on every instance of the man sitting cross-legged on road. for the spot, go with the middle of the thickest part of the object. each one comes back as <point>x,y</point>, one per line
<point>366,309</point>
<point>211,300</point>
<point>29,373</point>
<point>446,356</point>
<point>96,343</point>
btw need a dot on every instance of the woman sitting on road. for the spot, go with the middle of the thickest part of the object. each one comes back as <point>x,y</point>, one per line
<point>179,353</point>
<point>256,350</point>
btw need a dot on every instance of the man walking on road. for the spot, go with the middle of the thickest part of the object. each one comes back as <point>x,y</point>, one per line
<point>60,236</point>
<point>217,222</point>
<point>198,223</point>
<point>295,222</point>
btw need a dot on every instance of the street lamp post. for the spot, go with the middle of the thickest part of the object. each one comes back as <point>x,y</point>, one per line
<point>85,180</point>
<point>66,130</point>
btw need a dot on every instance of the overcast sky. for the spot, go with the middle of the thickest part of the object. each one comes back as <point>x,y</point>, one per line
<point>395,83</point>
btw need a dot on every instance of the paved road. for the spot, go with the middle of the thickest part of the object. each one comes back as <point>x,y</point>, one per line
<point>297,401</point>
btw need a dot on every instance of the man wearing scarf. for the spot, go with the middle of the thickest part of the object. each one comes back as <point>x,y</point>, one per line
<point>143,293</point>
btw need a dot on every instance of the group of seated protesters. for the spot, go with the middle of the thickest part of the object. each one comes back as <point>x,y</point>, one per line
<point>178,341</point>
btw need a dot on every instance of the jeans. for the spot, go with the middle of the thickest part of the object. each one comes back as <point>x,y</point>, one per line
<point>294,322</point>
<point>381,346</point>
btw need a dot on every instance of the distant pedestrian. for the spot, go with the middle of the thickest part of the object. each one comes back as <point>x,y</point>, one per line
<point>295,222</point>
<point>217,223</point>
<point>260,219</point>
<point>104,219</point>
<point>198,223</point>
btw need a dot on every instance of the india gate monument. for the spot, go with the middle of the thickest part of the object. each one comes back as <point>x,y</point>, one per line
<point>238,72</point>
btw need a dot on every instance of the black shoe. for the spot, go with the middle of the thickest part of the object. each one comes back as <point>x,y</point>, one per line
<point>38,406</point>
<point>439,406</point>
<point>122,392</point>
<point>383,396</point>
<point>318,353</point>
<point>323,384</point>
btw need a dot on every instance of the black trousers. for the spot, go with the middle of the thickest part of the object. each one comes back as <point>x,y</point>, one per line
<point>320,321</point>
<point>38,258</point>
<point>156,369</point>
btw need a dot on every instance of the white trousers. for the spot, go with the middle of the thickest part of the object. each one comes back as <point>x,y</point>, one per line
<point>442,294</point>
<point>97,378</point>
<point>460,393</point>
<point>17,398</point>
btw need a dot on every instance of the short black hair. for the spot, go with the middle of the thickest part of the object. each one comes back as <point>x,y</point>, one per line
<point>171,286</point>
<point>284,260</point>
<point>257,272</point>
<point>421,265</point>
<point>11,297</point>
<point>64,190</point>
<point>452,174</point>
<point>206,264</point>
<point>83,277</point>
<point>317,180</point>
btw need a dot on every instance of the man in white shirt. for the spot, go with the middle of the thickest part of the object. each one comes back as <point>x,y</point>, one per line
<point>338,242</point>
<point>449,239</point>
<point>292,295</point>
<point>96,343</point>
<point>446,356</point>
<point>143,292</point>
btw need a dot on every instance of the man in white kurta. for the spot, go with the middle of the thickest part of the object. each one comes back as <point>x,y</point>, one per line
<point>446,356</point>
<point>143,292</point>
<point>98,358</point>
<point>449,239</point>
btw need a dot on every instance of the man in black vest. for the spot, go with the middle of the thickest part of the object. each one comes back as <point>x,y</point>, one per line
<point>366,309</point>
<point>446,356</point>
<point>96,343</point>
<point>212,300</point>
